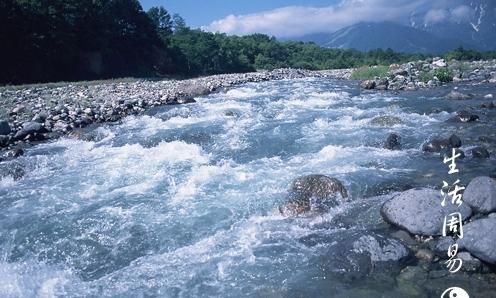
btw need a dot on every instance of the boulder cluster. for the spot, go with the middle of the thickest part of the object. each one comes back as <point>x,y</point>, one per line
<point>432,73</point>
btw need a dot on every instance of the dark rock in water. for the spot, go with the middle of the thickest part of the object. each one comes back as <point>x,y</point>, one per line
<point>455,141</point>
<point>4,141</point>
<point>419,211</point>
<point>386,121</point>
<point>479,239</point>
<point>381,84</point>
<point>470,264</point>
<point>480,194</point>
<point>480,152</point>
<point>12,169</point>
<point>14,153</point>
<point>184,99</point>
<point>313,193</point>
<point>29,128</point>
<point>231,114</point>
<point>4,127</point>
<point>448,153</point>
<point>455,95</point>
<point>358,253</point>
<point>368,84</point>
<point>465,116</point>
<point>393,142</point>
<point>436,145</point>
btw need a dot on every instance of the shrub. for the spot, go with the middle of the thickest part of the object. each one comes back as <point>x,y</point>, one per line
<point>425,76</point>
<point>443,74</point>
<point>369,72</point>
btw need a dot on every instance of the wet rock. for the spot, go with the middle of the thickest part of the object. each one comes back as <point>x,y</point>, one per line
<point>4,141</point>
<point>441,245</point>
<point>456,95</point>
<point>425,255</point>
<point>4,127</point>
<point>480,152</point>
<point>464,116</point>
<point>455,141</point>
<point>419,211</point>
<point>29,128</point>
<point>313,193</point>
<point>13,153</point>
<point>480,194</point>
<point>479,239</point>
<point>436,145</point>
<point>404,237</point>
<point>393,142</point>
<point>382,84</point>
<point>386,121</point>
<point>470,264</point>
<point>368,84</point>
<point>359,253</point>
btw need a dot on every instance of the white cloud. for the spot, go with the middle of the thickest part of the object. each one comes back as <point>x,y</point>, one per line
<point>300,20</point>
<point>461,13</point>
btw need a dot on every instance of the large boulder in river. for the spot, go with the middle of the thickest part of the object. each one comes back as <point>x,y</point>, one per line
<point>464,117</point>
<point>480,152</point>
<point>419,211</point>
<point>480,194</point>
<point>313,193</point>
<point>479,239</point>
<point>438,144</point>
<point>29,128</point>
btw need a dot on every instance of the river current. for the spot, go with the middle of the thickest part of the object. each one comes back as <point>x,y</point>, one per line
<point>182,201</point>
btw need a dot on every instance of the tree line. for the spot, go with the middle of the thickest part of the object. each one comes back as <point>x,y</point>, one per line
<point>54,40</point>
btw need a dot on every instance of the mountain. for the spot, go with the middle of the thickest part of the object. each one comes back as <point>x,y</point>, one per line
<point>475,23</point>
<point>370,36</point>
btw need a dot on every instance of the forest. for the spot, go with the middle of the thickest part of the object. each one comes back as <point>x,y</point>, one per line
<point>70,40</point>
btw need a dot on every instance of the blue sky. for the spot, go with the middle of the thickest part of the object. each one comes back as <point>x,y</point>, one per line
<point>291,18</point>
<point>199,13</point>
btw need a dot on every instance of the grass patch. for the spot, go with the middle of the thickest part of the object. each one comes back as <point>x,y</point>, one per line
<point>369,72</point>
<point>425,76</point>
<point>443,74</point>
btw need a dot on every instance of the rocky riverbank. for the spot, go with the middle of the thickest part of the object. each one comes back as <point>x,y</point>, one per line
<point>432,73</point>
<point>33,114</point>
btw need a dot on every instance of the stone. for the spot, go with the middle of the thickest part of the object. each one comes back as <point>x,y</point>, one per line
<point>455,141</point>
<point>313,193</point>
<point>386,121</point>
<point>456,95</point>
<point>464,116</point>
<point>425,255</point>
<point>436,145</point>
<point>4,127</point>
<point>29,128</point>
<point>480,194</point>
<point>479,239</point>
<point>470,264</point>
<point>419,211</point>
<point>441,245</point>
<point>368,84</point>
<point>393,142</point>
<point>448,153</point>
<point>40,117</point>
<point>480,152</point>
<point>4,141</point>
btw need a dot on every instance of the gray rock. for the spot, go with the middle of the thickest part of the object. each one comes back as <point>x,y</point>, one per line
<point>464,116</point>
<point>470,264</point>
<point>368,84</point>
<point>40,117</point>
<point>4,141</point>
<point>480,194</point>
<point>440,246</point>
<point>479,239</point>
<point>419,211</point>
<point>425,255</point>
<point>393,142</point>
<point>4,127</point>
<point>480,152</point>
<point>313,193</point>
<point>456,95</point>
<point>29,128</point>
<point>386,121</point>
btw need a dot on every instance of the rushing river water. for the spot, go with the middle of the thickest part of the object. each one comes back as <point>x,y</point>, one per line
<point>182,202</point>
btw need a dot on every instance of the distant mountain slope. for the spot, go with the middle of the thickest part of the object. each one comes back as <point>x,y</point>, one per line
<point>369,36</point>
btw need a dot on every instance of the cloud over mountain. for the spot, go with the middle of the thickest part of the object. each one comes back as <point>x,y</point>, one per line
<point>301,20</point>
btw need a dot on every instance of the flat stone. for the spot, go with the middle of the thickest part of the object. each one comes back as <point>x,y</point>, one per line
<point>480,194</point>
<point>419,211</point>
<point>479,239</point>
